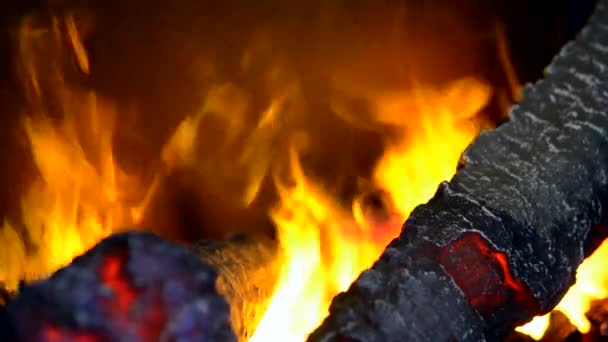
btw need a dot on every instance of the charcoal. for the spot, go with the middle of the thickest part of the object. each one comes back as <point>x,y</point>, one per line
<point>130,287</point>
<point>500,242</point>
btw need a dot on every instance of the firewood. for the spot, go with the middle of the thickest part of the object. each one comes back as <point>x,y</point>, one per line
<point>500,242</point>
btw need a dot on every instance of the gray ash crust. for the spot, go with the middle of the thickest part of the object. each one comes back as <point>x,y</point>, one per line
<point>533,188</point>
<point>162,273</point>
<point>547,168</point>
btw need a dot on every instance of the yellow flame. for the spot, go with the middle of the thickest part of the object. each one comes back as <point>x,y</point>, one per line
<point>72,205</point>
<point>591,284</point>
<point>323,251</point>
<point>536,327</point>
<point>75,200</point>
<point>436,128</point>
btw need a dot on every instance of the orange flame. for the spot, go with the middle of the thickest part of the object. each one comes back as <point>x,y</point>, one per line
<point>75,201</point>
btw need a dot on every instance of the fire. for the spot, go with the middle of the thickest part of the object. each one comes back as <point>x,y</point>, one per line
<point>591,284</point>
<point>81,195</point>
<point>75,200</point>
<point>322,253</point>
<point>71,207</point>
<point>325,246</point>
<point>432,140</point>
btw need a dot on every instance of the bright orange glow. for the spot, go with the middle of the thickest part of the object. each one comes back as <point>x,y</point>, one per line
<point>591,284</point>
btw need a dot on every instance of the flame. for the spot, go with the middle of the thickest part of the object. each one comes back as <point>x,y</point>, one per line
<point>81,195</point>
<point>322,253</point>
<point>75,200</point>
<point>591,284</point>
<point>326,246</point>
<point>429,148</point>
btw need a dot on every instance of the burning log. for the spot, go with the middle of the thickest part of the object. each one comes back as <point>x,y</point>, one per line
<point>130,287</point>
<point>501,241</point>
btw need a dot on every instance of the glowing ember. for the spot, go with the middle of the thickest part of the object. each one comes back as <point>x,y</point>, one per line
<point>483,274</point>
<point>591,283</point>
<point>115,295</point>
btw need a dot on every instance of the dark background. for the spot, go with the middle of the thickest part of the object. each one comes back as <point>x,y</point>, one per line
<point>147,54</point>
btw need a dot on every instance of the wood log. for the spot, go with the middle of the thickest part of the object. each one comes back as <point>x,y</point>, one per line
<point>248,273</point>
<point>499,243</point>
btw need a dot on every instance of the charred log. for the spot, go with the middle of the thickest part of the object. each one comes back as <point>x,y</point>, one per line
<point>130,287</point>
<point>501,241</point>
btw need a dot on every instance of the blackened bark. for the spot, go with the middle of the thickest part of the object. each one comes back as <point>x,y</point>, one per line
<point>501,241</point>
